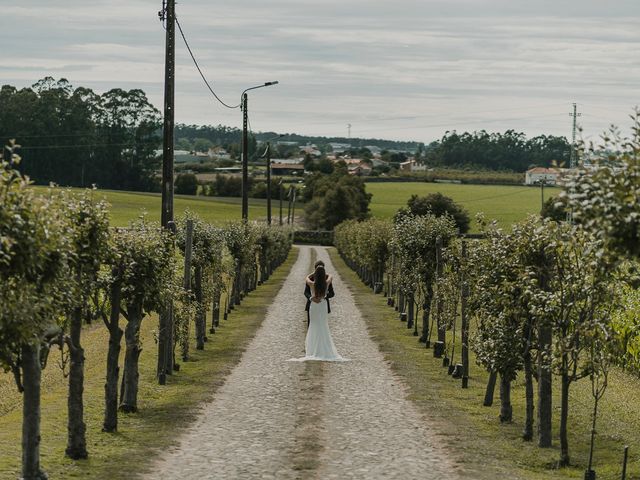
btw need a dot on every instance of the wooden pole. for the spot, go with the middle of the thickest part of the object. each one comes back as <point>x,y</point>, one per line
<point>165,347</point>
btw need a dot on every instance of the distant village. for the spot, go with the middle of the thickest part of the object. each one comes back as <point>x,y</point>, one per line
<point>302,159</point>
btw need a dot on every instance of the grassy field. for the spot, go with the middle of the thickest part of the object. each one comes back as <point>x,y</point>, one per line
<point>473,433</point>
<point>506,204</point>
<point>164,411</point>
<point>126,206</point>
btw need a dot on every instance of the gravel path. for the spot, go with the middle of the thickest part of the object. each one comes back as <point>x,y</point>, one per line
<point>289,420</point>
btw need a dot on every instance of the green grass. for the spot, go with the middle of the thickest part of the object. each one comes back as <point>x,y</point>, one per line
<point>126,206</point>
<point>164,412</point>
<point>474,434</point>
<point>506,204</point>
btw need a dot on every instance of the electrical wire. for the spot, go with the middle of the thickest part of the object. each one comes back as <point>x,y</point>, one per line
<point>184,38</point>
<point>51,147</point>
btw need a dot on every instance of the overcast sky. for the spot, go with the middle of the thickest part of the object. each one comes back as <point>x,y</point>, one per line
<point>401,69</point>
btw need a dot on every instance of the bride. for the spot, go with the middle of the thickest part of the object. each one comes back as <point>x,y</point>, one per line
<point>319,344</point>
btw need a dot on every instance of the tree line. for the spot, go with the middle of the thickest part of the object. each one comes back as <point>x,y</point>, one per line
<point>76,137</point>
<point>511,151</point>
<point>547,300</point>
<point>62,266</point>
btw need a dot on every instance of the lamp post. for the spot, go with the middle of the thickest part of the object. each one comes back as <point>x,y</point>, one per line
<point>245,149</point>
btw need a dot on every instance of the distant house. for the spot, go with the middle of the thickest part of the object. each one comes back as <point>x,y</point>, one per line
<point>180,156</point>
<point>550,176</point>
<point>375,151</point>
<point>359,170</point>
<point>287,161</point>
<point>339,147</point>
<point>412,166</point>
<point>310,150</point>
<point>219,153</point>
<point>287,169</point>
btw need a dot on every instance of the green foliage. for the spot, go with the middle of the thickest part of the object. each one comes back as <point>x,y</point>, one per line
<point>79,138</point>
<point>186,184</point>
<point>625,324</point>
<point>438,205</point>
<point>142,262</point>
<point>332,199</point>
<point>606,199</point>
<point>497,151</point>
<point>35,255</point>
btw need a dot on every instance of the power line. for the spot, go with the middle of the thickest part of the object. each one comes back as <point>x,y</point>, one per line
<point>51,147</point>
<point>200,71</point>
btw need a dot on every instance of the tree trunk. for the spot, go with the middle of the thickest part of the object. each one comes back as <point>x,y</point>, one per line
<point>545,408</point>
<point>426,313</point>
<point>129,400</point>
<point>506,410</point>
<point>411,311</point>
<point>31,373</point>
<point>200,311</point>
<point>215,313</point>
<point>110,423</point>
<point>76,441</point>
<point>491,387</point>
<point>527,433</point>
<point>564,418</point>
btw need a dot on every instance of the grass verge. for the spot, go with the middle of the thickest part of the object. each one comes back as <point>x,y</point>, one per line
<point>474,434</point>
<point>164,411</point>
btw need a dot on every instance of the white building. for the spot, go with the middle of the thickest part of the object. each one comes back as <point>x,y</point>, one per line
<point>537,175</point>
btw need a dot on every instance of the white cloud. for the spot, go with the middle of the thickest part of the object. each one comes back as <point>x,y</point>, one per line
<point>398,69</point>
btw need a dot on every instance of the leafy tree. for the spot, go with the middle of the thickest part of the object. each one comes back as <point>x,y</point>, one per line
<point>202,144</point>
<point>89,234</point>
<point>79,138</point>
<point>331,199</point>
<point>554,209</point>
<point>437,204</point>
<point>34,270</point>
<point>186,184</point>
<point>606,199</point>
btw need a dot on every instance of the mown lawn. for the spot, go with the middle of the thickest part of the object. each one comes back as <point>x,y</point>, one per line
<point>506,204</point>
<point>164,411</point>
<point>474,434</point>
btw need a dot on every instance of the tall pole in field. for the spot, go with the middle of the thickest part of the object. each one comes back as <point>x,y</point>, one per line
<point>574,153</point>
<point>245,149</point>
<point>245,159</point>
<point>166,217</point>
<point>281,194</point>
<point>268,183</point>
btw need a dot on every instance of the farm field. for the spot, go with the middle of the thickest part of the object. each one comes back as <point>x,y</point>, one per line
<point>126,206</point>
<point>506,204</point>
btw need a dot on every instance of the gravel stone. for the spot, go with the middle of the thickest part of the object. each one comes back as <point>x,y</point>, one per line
<point>274,419</point>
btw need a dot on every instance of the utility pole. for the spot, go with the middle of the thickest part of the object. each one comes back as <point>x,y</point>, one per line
<point>348,130</point>
<point>167,14</point>
<point>268,152</point>
<point>574,154</point>
<point>542,195</point>
<point>245,159</point>
<point>281,195</point>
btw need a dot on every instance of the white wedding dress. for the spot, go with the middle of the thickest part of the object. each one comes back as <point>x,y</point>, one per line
<point>319,344</point>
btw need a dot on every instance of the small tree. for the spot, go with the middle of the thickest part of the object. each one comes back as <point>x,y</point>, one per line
<point>34,272</point>
<point>89,236</point>
<point>437,204</point>
<point>186,184</point>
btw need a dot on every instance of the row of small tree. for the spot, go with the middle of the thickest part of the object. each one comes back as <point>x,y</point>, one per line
<point>544,297</point>
<point>62,266</point>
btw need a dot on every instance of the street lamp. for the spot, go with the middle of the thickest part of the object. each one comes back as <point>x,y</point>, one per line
<point>267,154</point>
<point>245,150</point>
